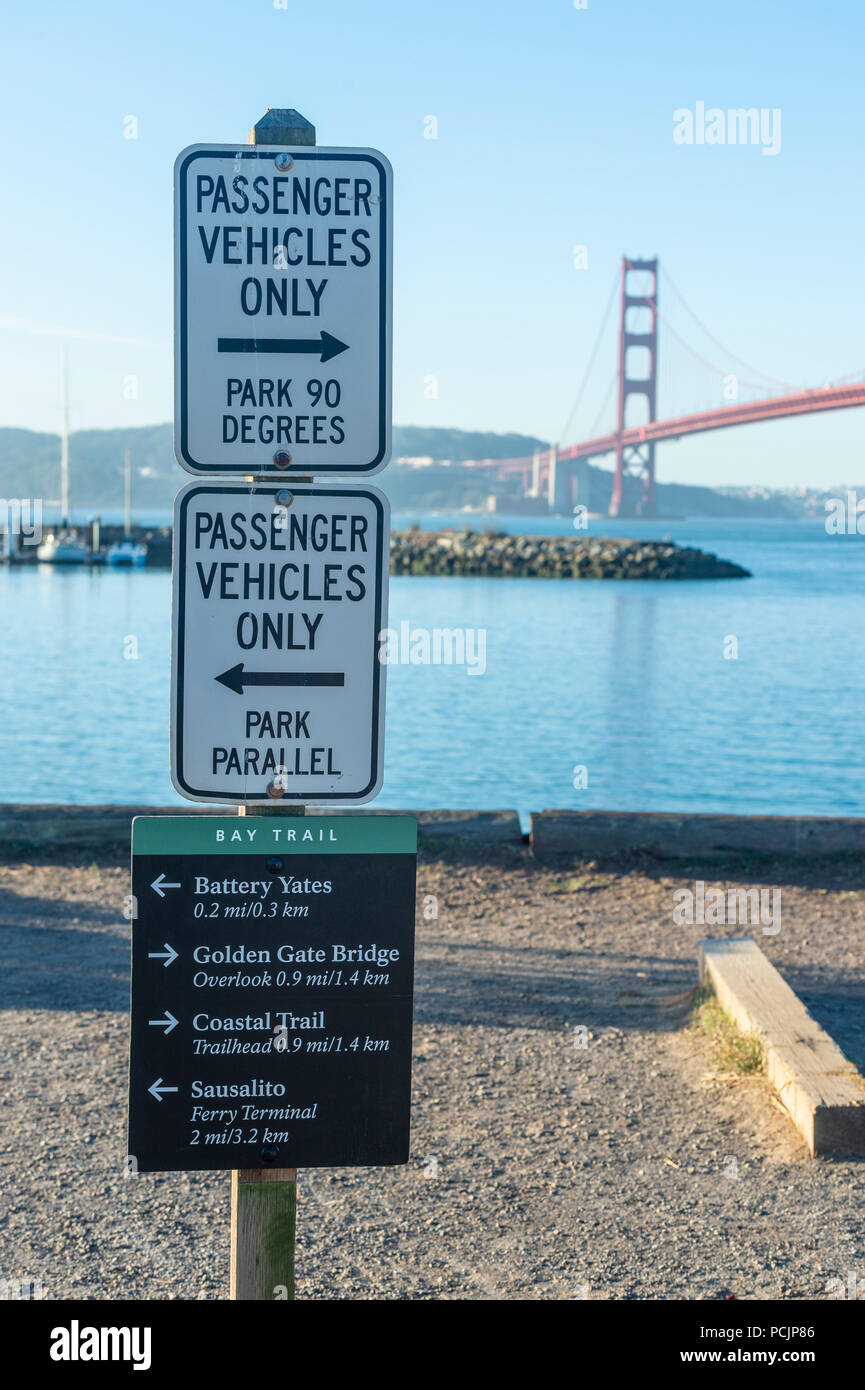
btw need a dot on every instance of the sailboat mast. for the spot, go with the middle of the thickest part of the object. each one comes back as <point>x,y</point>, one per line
<point>127,493</point>
<point>64,449</point>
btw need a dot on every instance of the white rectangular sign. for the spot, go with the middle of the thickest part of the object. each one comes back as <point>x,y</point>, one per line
<point>280,595</point>
<point>282,310</point>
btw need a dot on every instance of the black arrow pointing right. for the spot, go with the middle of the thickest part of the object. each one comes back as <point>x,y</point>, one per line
<point>326,346</point>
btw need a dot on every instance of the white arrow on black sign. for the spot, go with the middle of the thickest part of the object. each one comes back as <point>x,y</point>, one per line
<point>161,882</point>
<point>158,1090</point>
<point>169,1022</point>
<point>169,955</point>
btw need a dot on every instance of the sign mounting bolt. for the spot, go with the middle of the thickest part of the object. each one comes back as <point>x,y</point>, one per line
<point>282,458</point>
<point>275,790</point>
<point>283,160</point>
<point>284,497</point>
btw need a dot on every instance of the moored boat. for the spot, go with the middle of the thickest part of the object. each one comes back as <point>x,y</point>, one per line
<point>64,548</point>
<point>127,553</point>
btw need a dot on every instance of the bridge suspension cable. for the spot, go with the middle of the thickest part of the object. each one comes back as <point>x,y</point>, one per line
<point>788,386</point>
<point>721,371</point>
<point>606,401</point>
<point>591,362</point>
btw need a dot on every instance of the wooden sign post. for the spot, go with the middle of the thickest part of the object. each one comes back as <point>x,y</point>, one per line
<point>264,1200</point>
<point>263,1221</point>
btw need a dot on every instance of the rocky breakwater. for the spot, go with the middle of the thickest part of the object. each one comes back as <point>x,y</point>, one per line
<point>494,553</point>
<point>551,557</point>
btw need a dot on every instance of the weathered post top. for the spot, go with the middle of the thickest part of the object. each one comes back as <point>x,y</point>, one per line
<point>282,126</point>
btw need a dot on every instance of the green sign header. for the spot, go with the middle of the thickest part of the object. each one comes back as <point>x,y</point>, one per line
<point>287,834</point>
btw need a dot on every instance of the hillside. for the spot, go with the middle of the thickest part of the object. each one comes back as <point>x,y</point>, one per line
<point>30,465</point>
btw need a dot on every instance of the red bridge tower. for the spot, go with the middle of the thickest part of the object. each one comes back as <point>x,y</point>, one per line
<point>636,460</point>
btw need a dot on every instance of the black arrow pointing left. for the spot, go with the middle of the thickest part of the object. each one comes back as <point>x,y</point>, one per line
<point>236,678</point>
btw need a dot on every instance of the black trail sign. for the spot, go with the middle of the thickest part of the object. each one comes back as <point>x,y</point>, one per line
<point>272,976</point>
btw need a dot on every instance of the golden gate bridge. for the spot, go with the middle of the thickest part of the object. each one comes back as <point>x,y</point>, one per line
<point>552,474</point>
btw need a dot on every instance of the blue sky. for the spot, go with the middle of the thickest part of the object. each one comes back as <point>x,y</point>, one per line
<point>555,129</point>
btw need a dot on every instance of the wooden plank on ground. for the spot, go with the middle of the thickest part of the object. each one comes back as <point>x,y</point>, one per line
<point>822,1092</point>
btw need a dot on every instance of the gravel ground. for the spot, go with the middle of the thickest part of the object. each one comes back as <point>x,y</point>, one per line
<point>631,1168</point>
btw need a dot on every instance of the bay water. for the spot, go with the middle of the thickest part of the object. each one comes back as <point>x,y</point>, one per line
<point>727,696</point>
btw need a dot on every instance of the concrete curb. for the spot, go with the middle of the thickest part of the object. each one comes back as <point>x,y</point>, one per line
<point>678,836</point>
<point>106,829</point>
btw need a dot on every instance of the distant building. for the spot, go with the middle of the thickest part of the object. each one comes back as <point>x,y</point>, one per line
<point>514,504</point>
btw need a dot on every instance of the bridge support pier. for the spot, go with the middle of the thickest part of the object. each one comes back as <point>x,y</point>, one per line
<point>558,475</point>
<point>536,474</point>
<point>560,484</point>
